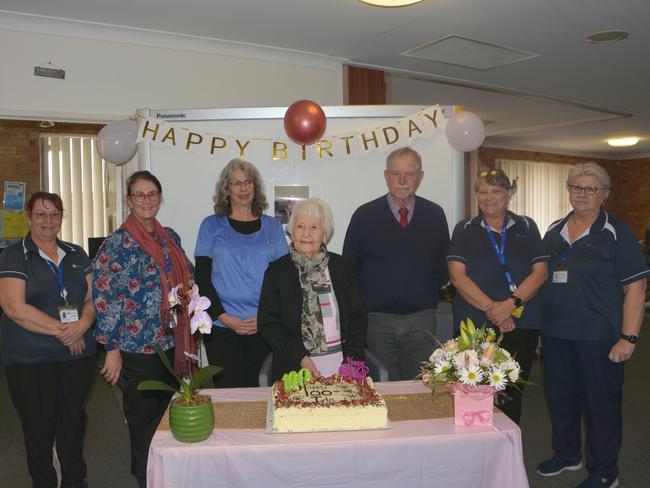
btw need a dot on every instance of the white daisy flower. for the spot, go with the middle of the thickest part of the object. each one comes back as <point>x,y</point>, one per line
<point>497,378</point>
<point>471,375</point>
<point>442,367</point>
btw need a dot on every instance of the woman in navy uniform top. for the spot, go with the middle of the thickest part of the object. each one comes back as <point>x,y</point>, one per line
<point>497,264</point>
<point>592,313</point>
<point>48,349</point>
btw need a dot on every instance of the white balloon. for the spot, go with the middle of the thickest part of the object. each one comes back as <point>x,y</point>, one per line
<point>116,141</point>
<point>465,131</point>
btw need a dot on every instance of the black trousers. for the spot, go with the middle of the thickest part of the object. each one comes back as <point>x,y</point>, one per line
<point>580,379</point>
<point>144,409</point>
<point>520,343</point>
<point>240,356</point>
<point>49,399</point>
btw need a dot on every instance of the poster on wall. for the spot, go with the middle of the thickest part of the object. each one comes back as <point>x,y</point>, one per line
<point>14,195</point>
<point>286,198</point>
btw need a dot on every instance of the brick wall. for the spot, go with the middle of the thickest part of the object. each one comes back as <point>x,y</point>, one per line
<point>630,195</point>
<point>20,150</point>
<point>629,198</point>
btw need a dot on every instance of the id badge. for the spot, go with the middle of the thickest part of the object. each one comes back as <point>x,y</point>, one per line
<point>68,314</point>
<point>561,275</point>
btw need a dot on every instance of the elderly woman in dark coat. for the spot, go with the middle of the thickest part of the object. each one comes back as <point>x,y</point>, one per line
<point>311,312</point>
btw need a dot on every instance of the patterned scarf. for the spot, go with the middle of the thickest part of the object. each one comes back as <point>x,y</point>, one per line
<point>179,272</point>
<point>312,277</point>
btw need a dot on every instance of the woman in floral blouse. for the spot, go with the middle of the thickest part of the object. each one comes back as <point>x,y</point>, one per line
<point>133,272</point>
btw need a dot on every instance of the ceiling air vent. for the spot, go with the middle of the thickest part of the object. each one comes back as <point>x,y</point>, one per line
<point>468,53</point>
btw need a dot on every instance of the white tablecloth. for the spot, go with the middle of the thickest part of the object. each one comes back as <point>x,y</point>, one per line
<point>414,453</point>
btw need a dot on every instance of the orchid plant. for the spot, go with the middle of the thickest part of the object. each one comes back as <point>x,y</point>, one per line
<point>473,358</point>
<point>185,299</point>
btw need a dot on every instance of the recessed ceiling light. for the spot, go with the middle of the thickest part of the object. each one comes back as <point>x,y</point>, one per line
<point>605,37</point>
<point>623,141</point>
<point>390,3</point>
<point>46,124</point>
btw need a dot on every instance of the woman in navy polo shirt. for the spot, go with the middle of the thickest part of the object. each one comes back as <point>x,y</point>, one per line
<point>497,264</point>
<point>592,314</point>
<point>48,349</point>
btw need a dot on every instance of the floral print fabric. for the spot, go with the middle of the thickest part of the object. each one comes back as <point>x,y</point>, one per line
<point>127,295</point>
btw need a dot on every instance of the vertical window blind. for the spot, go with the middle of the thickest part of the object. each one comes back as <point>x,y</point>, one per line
<point>71,167</point>
<point>541,190</point>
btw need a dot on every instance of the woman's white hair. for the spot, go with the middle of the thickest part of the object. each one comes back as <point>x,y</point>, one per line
<point>319,209</point>
<point>590,169</point>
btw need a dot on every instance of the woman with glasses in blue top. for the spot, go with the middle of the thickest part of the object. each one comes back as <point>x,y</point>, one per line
<point>592,313</point>
<point>233,249</point>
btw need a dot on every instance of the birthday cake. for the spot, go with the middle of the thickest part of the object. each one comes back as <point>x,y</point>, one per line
<point>331,403</point>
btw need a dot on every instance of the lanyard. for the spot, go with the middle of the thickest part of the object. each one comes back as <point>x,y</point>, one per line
<point>58,273</point>
<point>500,249</point>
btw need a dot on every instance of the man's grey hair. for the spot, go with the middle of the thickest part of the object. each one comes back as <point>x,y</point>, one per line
<point>404,151</point>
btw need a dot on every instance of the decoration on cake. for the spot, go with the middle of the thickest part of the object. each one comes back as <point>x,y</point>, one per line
<point>476,367</point>
<point>295,379</point>
<point>354,369</point>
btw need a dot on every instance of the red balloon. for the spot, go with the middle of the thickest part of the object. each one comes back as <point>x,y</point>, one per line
<point>305,122</point>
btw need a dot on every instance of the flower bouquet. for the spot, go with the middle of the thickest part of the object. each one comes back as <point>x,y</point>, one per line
<point>475,367</point>
<point>191,417</point>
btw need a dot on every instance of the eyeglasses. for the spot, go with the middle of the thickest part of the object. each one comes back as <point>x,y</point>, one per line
<point>239,184</point>
<point>152,196</point>
<point>588,190</point>
<point>44,216</point>
<point>492,172</point>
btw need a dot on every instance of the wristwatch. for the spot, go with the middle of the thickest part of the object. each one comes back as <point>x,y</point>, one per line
<point>632,339</point>
<point>517,300</point>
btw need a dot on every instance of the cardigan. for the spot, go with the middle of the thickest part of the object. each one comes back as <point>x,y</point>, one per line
<point>279,313</point>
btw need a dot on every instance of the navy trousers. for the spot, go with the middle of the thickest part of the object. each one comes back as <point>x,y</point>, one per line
<point>580,378</point>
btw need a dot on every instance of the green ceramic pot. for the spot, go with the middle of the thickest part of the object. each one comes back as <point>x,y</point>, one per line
<point>192,423</point>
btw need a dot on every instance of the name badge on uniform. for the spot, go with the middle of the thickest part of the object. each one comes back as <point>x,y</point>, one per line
<point>561,275</point>
<point>68,314</point>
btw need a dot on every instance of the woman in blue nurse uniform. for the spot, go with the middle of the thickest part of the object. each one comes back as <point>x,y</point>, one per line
<point>233,250</point>
<point>592,313</point>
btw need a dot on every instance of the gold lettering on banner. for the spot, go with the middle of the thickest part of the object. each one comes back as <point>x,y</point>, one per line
<point>366,141</point>
<point>395,134</point>
<point>413,127</point>
<point>146,128</point>
<point>347,143</point>
<point>170,135</point>
<point>324,146</point>
<point>432,119</point>
<point>214,146</point>
<point>242,148</point>
<point>191,140</point>
<point>279,150</point>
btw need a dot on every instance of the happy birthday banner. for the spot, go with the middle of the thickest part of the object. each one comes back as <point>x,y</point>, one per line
<point>427,123</point>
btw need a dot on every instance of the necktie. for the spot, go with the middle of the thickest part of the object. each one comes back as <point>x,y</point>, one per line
<point>403,219</point>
